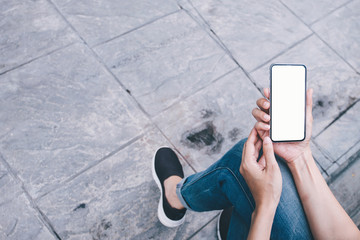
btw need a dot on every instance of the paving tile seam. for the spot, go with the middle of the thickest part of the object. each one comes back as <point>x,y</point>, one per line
<point>327,44</point>
<point>329,13</point>
<point>209,31</point>
<point>337,117</point>
<point>113,38</point>
<point>319,165</point>
<point>197,11</point>
<point>213,35</point>
<point>328,168</point>
<point>205,225</point>
<point>354,212</point>
<point>218,41</point>
<point>136,28</point>
<point>330,173</point>
<point>323,151</point>
<point>94,164</point>
<point>186,96</point>
<point>357,153</point>
<point>99,59</point>
<point>173,145</point>
<point>66,21</point>
<point>281,53</point>
<point>326,177</point>
<point>47,221</point>
<point>39,57</point>
<point>341,168</point>
<point>350,149</point>
<point>341,57</point>
<point>33,204</point>
<point>237,63</point>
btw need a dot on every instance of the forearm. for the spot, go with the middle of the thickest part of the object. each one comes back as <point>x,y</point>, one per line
<point>261,223</point>
<point>327,219</point>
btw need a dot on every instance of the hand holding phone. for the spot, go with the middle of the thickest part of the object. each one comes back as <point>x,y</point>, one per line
<point>289,151</point>
<point>287,102</point>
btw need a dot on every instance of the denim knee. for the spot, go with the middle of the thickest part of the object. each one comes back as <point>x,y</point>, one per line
<point>232,158</point>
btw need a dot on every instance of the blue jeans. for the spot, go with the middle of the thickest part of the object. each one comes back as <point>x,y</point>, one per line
<point>222,186</point>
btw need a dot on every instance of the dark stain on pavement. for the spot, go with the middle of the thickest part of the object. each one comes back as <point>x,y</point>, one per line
<point>81,205</point>
<point>321,106</point>
<point>206,113</point>
<point>204,136</point>
<point>98,231</point>
<point>233,134</point>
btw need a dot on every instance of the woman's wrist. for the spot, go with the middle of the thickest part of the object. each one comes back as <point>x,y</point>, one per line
<point>301,160</point>
<point>305,174</point>
<point>261,222</point>
<point>266,211</point>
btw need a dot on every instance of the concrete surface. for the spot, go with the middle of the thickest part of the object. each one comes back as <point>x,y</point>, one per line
<point>90,89</point>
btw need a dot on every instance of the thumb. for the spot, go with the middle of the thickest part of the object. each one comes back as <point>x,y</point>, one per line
<point>268,151</point>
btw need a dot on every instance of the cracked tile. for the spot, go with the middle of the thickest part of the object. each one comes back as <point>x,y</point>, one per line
<point>30,29</point>
<point>60,114</point>
<point>118,198</point>
<point>164,62</point>
<point>335,84</point>
<point>207,124</point>
<point>97,21</point>
<point>253,31</point>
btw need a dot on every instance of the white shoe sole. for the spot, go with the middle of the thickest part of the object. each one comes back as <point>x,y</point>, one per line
<point>161,213</point>
<point>218,226</point>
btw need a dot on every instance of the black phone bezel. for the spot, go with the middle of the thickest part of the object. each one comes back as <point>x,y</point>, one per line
<point>286,64</point>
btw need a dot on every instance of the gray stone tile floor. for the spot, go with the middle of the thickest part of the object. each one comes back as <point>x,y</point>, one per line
<point>90,89</point>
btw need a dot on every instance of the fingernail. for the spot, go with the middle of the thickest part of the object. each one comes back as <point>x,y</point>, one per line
<point>267,126</point>
<point>267,117</point>
<point>266,104</point>
<point>267,140</point>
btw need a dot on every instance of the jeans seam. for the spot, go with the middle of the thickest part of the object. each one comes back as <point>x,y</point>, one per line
<point>240,186</point>
<point>233,174</point>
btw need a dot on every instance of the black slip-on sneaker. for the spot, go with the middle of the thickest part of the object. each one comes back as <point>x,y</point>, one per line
<point>166,164</point>
<point>224,223</point>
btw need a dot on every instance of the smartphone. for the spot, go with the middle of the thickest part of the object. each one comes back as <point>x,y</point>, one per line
<point>287,102</point>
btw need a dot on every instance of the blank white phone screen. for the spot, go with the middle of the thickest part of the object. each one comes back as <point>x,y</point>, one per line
<point>288,84</point>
